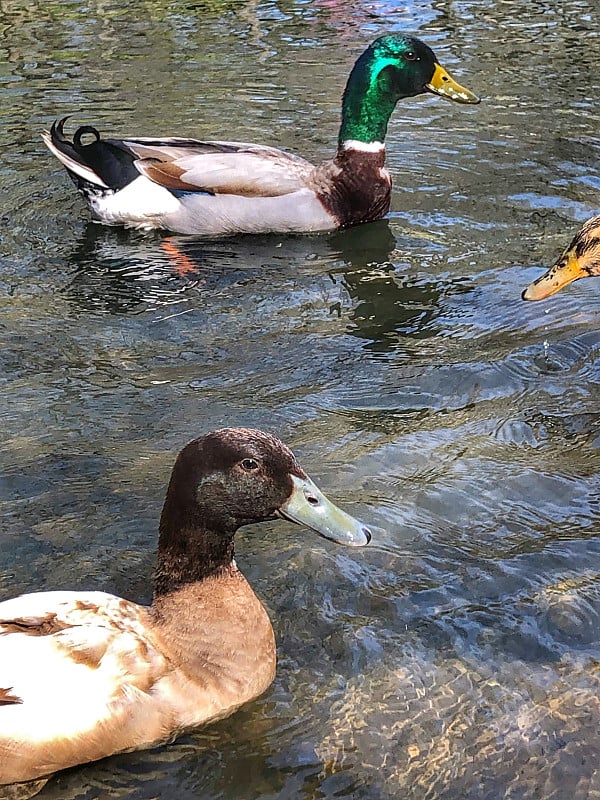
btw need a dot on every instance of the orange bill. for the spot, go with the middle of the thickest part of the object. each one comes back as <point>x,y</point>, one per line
<point>566,270</point>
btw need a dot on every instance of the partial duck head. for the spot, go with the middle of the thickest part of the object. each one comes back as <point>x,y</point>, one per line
<point>581,259</point>
<point>392,67</point>
<point>230,478</point>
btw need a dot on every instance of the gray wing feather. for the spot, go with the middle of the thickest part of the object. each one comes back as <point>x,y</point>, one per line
<point>222,167</point>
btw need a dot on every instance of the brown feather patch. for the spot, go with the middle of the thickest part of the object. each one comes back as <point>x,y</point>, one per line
<point>88,655</point>
<point>40,627</point>
<point>169,174</point>
<point>355,187</point>
<point>9,699</point>
<point>165,173</point>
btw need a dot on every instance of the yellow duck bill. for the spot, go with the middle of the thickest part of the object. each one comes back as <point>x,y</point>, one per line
<point>307,505</point>
<point>444,85</point>
<point>565,271</point>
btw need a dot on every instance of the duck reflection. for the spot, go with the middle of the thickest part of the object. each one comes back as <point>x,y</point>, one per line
<point>389,301</point>
<point>122,271</point>
<point>118,271</point>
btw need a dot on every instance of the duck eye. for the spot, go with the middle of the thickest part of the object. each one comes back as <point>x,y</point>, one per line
<point>410,55</point>
<point>249,464</point>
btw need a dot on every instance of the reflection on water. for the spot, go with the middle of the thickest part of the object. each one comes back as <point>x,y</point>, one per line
<point>457,656</point>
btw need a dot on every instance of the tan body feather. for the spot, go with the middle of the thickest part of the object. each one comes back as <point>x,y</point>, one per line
<point>93,674</point>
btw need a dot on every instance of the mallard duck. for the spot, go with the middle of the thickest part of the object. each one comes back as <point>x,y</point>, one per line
<point>84,675</point>
<point>215,188</point>
<point>581,259</point>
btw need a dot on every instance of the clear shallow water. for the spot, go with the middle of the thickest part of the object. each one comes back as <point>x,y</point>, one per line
<point>456,657</point>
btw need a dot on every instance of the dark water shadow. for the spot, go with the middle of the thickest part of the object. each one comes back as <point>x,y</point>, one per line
<point>391,301</point>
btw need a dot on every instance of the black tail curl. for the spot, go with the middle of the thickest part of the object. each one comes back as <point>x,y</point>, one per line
<point>110,159</point>
<point>82,131</point>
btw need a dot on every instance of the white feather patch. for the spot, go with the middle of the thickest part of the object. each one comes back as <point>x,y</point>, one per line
<point>71,680</point>
<point>141,203</point>
<point>74,166</point>
<point>365,147</point>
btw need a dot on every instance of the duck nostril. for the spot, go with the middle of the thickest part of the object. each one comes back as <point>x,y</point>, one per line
<point>314,501</point>
<point>368,534</point>
<point>445,78</point>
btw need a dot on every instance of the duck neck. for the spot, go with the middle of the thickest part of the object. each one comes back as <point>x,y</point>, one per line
<point>369,100</point>
<point>190,549</point>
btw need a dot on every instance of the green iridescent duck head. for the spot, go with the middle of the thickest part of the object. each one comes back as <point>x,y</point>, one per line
<point>392,67</point>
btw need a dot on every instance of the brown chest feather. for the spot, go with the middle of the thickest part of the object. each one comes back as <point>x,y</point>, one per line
<point>355,187</point>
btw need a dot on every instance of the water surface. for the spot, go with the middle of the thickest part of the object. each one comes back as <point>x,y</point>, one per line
<point>457,656</point>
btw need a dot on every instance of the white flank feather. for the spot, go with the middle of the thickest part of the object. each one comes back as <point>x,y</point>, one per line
<point>142,203</point>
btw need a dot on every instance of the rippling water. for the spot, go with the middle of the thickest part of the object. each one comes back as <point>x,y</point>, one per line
<point>459,655</point>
